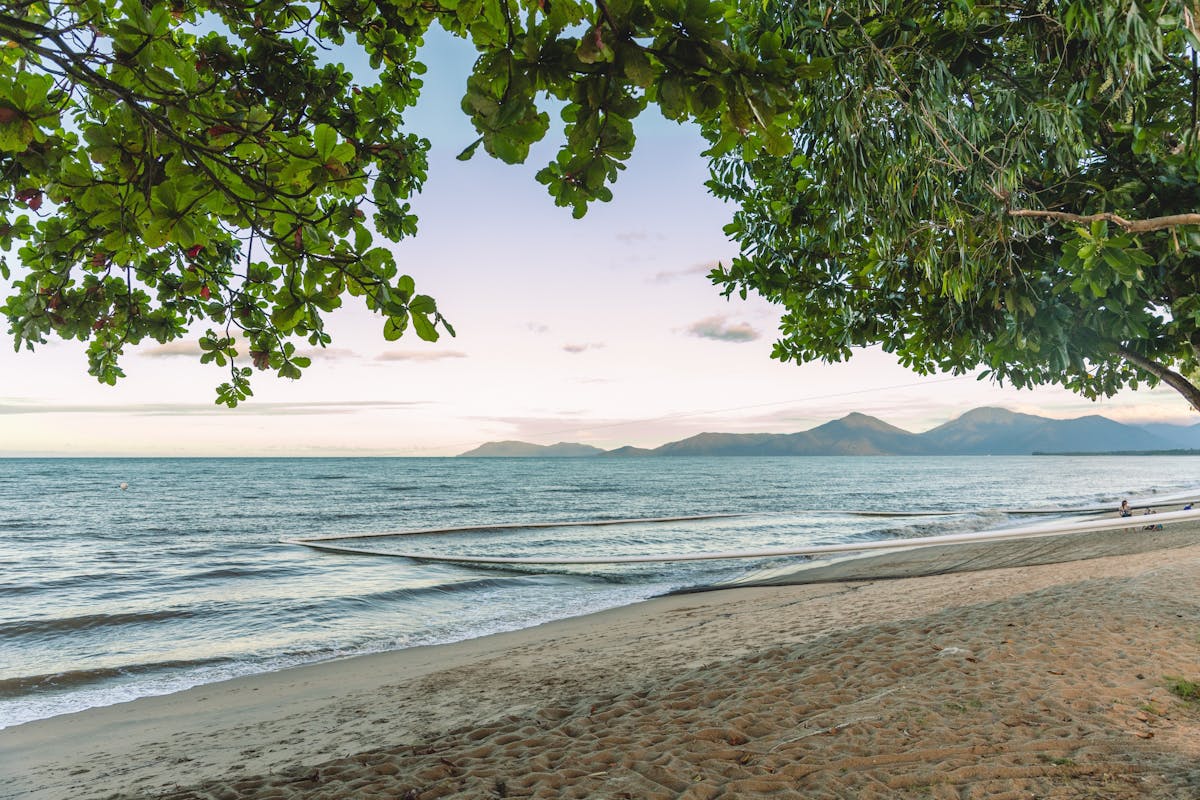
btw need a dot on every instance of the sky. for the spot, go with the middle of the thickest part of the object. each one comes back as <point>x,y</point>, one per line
<point>603,330</point>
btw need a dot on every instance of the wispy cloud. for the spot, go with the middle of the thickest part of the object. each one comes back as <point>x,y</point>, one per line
<point>666,276</point>
<point>329,353</point>
<point>420,355</point>
<point>606,432</point>
<point>537,327</point>
<point>1160,404</point>
<point>191,349</point>
<point>252,408</point>
<point>635,237</point>
<point>915,408</point>
<point>720,329</point>
<point>792,416</point>
<point>181,348</point>
<point>575,349</point>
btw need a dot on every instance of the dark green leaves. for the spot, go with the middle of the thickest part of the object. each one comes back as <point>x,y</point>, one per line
<point>222,177</point>
<point>154,177</point>
<point>942,192</point>
<point>688,57</point>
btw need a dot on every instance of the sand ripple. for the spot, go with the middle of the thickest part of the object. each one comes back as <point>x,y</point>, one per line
<point>1052,693</point>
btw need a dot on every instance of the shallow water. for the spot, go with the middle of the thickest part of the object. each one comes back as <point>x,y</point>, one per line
<point>110,594</point>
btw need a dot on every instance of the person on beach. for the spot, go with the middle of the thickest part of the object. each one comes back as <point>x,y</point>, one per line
<point>1125,510</point>
<point>1151,527</point>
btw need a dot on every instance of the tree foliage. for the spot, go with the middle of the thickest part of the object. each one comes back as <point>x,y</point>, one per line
<point>1010,185</point>
<point>165,163</point>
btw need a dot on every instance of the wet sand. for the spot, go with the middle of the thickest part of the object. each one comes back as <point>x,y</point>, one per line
<point>1031,682</point>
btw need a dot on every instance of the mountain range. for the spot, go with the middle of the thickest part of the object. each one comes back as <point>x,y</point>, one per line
<point>982,431</point>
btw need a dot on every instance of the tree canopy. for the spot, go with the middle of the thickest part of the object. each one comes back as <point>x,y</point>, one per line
<point>167,163</point>
<point>1012,185</point>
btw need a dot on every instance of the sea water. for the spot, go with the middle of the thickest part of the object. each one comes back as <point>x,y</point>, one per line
<point>180,578</point>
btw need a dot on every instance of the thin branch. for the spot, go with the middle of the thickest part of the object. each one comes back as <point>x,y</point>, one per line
<point>1167,376</point>
<point>1133,226</point>
<point>608,17</point>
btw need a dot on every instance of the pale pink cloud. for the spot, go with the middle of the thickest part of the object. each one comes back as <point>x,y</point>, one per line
<point>575,349</point>
<point>720,329</point>
<point>421,355</point>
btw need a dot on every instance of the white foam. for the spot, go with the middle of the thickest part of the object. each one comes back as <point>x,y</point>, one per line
<point>1057,528</point>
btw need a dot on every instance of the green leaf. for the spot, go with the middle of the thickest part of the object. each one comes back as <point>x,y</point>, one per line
<point>325,139</point>
<point>469,150</point>
<point>636,65</point>
<point>394,327</point>
<point>422,304</point>
<point>424,327</point>
<point>918,130</point>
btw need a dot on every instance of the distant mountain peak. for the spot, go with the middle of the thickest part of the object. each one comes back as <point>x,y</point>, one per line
<point>856,419</point>
<point>515,449</point>
<point>980,431</point>
<point>989,414</point>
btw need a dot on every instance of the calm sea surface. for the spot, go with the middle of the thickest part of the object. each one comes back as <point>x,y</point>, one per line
<point>180,579</point>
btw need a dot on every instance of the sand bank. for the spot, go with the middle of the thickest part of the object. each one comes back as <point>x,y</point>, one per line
<point>1035,682</point>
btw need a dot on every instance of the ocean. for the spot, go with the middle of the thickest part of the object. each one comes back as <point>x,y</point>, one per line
<point>180,578</point>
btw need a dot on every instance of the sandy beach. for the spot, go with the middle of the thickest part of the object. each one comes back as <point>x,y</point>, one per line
<point>1034,682</point>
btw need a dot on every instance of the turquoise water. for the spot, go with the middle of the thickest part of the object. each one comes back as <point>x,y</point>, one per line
<point>180,579</point>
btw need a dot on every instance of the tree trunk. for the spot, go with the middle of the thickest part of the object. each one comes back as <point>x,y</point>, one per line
<point>1167,376</point>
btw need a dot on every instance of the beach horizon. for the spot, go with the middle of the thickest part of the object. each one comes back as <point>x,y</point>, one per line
<point>1043,681</point>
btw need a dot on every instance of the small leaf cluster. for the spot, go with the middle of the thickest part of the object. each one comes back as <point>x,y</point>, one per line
<point>168,164</point>
<point>907,212</point>
<point>709,61</point>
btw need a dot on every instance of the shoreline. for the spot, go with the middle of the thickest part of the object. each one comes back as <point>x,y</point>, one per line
<point>257,672</point>
<point>998,677</point>
<point>860,565</point>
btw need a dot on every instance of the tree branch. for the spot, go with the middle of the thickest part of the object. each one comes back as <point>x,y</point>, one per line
<point>1133,226</point>
<point>1167,376</point>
